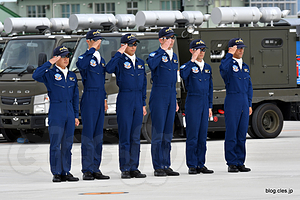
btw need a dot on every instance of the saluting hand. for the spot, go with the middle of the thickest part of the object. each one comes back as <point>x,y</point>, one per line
<point>195,55</point>
<point>166,45</point>
<point>232,49</point>
<point>122,48</point>
<point>54,59</point>
<point>96,44</point>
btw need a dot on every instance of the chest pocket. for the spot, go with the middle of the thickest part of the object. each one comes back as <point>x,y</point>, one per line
<point>94,71</point>
<point>165,68</point>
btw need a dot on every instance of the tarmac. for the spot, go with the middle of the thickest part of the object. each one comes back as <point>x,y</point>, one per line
<point>275,165</point>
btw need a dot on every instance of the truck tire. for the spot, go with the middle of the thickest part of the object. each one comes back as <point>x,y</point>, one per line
<point>267,121</point>
<point>147,127</point>
<point>11,135</point>
<point>38,136</point>
<point>251,133</point>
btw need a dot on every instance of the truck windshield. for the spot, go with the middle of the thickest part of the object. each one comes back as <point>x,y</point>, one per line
<point>19,54</point>
<point>110,46</point>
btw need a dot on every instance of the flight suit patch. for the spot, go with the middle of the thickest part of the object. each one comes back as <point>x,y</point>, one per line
<point>127,65</point>
<point>207,71</point>
<point>140,67</point>
<point>57,77</point>
<point>72,79</point>
<point>164,59</point>
<point>152,54</point>
<point>103,65</point>
<point>235,68</point>
<point>182,67</point>
<point>246,70</point>
<point>195,70</point>
<point>175,61</point>
<point>93,63</point>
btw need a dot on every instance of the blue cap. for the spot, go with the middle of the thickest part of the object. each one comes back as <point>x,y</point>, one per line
<point>165,32</point>
<point>60,51</point>
<point>236,41</point>
<point>93,34</point>
<point>197,44</point>
<point>129,39</point>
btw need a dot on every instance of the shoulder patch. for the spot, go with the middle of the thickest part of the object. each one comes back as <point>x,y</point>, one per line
<point>80,57</point>
<point>182,66</point>
<point>152,54</point>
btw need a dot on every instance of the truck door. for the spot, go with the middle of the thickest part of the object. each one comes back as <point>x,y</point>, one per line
<point>217,43</point>
<point>269,58</point>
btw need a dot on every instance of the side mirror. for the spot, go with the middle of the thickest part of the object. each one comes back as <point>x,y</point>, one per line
<point>42,58</point>
<point>30,69</point>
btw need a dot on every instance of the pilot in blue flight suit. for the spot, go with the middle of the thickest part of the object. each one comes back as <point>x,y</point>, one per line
<point>197,76</point>
<point>237,105</point>
<point>63,112</point>
<point>92,106</point>
<point>164,65</point>
<point>131,104</point>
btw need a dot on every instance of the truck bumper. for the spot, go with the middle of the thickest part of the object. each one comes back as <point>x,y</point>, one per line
<point>110,122</point>
<point>23,122</point>
<point>217,123</point>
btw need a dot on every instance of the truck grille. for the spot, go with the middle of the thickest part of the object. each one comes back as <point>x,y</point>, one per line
<point>15,112</point>
<point>16,100</point>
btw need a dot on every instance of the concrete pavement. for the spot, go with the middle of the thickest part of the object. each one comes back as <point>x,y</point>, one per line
<point>275,164</point>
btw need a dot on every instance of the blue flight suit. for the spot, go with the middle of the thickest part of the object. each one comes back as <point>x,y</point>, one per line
<point>162,105</point>
<point>198,101</point>
<point>132,84</point>
<point>238,99</point>
<point>92,109</point>
<point>64,100</point>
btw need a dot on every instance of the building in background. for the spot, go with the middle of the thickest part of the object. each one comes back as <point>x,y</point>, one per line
<point>59,8</point>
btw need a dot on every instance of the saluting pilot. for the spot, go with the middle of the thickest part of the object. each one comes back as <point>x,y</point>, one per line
<point>197,76</point>
<point>237,105</point>
<point>164,65</point>
<point>63,112</point>
<point>92,106</point>
<point>131,104</point>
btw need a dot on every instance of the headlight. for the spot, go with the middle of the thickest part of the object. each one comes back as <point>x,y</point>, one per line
<point>41,104</point>
<point>111,103</point>
<point>190,28</point>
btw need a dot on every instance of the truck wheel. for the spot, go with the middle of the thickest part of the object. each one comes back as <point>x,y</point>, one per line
<point>11,135</point>
<point>147,127</point>
<point>37,136</point>
<point>251,133</point>
<point>267,121</point>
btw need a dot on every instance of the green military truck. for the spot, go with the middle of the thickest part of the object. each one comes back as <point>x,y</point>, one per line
<point>24,102</point>
<point>270,55</point>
